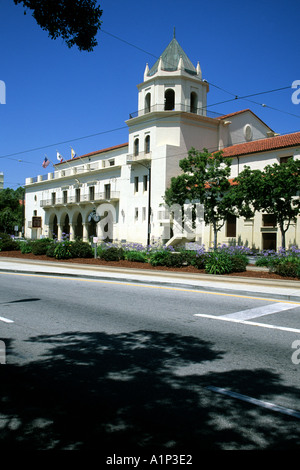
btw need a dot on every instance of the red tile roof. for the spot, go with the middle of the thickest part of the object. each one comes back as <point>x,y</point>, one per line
<point>263,145</point>
<point>108,149</point>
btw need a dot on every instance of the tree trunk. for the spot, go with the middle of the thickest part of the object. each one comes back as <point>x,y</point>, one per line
<point>215,237</point>
<point>282,235</point>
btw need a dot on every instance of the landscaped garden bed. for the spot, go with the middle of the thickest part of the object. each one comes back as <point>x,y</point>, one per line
<point>230,261</point>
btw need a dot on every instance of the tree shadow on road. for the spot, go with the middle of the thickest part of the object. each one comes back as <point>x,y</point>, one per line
<point>141,390</point>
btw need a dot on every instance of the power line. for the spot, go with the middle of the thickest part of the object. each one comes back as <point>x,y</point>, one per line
<point>236,97</point>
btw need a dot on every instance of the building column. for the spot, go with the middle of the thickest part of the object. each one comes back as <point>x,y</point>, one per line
<point>72,232</point>
<point>47,231</point>
<point>85,235</point>
<point>59,231</point>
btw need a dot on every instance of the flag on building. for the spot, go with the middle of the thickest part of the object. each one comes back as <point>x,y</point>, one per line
<point>73,153</point>
<point>45,163</point>
<point>59,157</point>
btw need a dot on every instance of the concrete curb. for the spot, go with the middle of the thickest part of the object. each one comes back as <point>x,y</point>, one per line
<point>277,289</point>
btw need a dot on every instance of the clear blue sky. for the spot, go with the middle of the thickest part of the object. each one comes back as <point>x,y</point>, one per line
<point>55,94</point>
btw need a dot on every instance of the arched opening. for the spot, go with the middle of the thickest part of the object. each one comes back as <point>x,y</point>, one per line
<point>78,227</point>
<point>54,227</point>
<point>147,144</point>
<point>194,102</point>
<point>148,103</point>
<point>169,99</point>
<point>136,147</point>
<point>66,226</point>
<point>92,229</point>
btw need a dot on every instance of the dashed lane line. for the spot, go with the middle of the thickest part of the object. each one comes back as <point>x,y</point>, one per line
<point>6,320</point>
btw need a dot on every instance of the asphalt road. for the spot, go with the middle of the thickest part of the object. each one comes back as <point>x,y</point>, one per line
<point>119,367</point>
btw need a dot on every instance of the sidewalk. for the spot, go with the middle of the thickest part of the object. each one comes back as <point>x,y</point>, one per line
<point>274,289</point>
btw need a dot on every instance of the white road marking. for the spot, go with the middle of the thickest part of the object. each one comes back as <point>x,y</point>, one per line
<point>259,311</point>
<point>255,401</point>
<point>244,322</point>
<point>6,320</point>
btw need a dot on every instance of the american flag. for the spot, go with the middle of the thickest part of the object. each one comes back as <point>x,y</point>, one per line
<point>45,163</point>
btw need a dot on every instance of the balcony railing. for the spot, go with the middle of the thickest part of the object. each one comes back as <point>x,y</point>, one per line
<point>103,165</point>
<point>83,199</point>
<point>139,157</point>
<point>177,107</point>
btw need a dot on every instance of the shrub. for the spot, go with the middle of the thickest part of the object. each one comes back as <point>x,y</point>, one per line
<point>238,263</point>
<point>62,250</point>
<point>51,249</point>
<point>136,256</point>
<point>25,247</point>
<point>111,254</point>
<point>7,244</point>
<point>40,247</point>
<point>4,236</point>
<point>81,249</point>
<point>218,262</point>
<point>196,259</point>
<point>288,267</point>
<point>166,257</point>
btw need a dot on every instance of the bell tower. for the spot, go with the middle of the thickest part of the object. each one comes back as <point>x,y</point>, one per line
<point>173,84</point>
<point>171,87</point>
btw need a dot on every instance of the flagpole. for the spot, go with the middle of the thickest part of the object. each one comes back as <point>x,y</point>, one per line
<point>65,161</point>
<point>78,156</point>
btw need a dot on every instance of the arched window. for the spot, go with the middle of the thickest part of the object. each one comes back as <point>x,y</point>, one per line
<point>169,99</point>
<point>136,147</point>
<point>148,103</point>
<point>147,144</point>
<point>194,102</point>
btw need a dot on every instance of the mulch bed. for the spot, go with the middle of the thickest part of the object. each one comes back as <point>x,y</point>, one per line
<point>136,265</point>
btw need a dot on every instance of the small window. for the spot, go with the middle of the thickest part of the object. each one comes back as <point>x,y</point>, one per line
<point>145,183</point>
<point>285,159</point>
<point>35,213</point>
<point>65,197</point>
<point>269,220</point>
<point>53,198</point>
<point>231,226</point>
<point>169,99</point>
<point>136,147</point>
<point>136,214</point>
<point>147,144</point>
<point>107,191</point>
<point>136,184</point>
<point>144,212</point>
<point>92,193</point>
<point>148,103</point>
<point>111,162</point>
<point>77,195</point>
<point>194,102</point>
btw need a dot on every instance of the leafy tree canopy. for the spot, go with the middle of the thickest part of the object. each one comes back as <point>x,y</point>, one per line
<point>11,209</point>
<point>205,179</point>
<point>274,190</point>
<point>75,21</point>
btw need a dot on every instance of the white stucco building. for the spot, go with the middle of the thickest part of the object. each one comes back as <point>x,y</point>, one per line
<point>126,180</point>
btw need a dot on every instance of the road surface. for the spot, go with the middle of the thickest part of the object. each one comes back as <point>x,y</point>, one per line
<point>112,366</point>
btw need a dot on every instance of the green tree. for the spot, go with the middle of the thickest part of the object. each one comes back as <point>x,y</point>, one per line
<point>274,190</point>
<point>75,21</point>
<point>177,193</point>
<point>11,209</point>
<point>206,178</point>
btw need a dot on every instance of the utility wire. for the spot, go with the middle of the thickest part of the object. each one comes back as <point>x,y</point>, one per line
<point>236,97</point>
